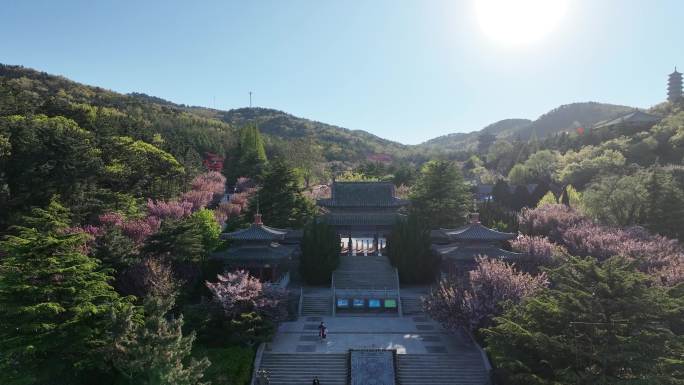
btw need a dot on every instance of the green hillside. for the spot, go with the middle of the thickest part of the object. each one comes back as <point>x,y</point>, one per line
<point>339,144</point>
<point>564,118</point>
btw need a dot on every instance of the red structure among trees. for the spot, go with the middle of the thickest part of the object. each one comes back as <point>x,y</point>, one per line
<point>213,162</point>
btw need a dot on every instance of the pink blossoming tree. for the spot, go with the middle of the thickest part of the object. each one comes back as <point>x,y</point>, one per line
<point>471,305</point>
<point>238,292</point>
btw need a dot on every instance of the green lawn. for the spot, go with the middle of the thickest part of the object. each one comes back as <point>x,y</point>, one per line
<point>229,366</point>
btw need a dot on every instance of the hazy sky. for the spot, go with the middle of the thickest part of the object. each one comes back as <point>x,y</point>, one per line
<point>403,70</point>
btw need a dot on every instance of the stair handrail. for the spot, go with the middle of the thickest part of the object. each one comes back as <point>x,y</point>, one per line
<point>301,300</point>
<point>399,309</point>
<point>257,362</point>
<point>332,298</point>
<point>483,355</point>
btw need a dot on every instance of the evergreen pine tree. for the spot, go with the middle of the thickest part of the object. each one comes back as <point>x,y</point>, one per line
<point>665,207</point>
<point>320,253</point>
<point>249,157</point>
<point>501,192</point>
<point>56,304</point>
<point>601,323</point>
<point>280,198</point>
<point>154,351</point>
<point>440,197</point>
<point>408,248</point>
<point>521,198</point>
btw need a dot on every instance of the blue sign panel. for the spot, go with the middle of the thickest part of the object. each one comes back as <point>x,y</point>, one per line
<point>342,302</point>
<point>358,302</point>
<point>373,303</point>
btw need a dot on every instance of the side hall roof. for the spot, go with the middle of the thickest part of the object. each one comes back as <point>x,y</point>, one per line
<point>476,232</point>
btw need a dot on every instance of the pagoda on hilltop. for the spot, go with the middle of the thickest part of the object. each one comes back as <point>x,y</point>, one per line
<point>674,86</point>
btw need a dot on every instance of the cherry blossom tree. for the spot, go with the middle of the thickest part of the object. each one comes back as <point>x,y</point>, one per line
<point>550,220</point>
<point>111,219</point>
<point>238,292</point>
<point>538,252</point>
<point>472,304</point>
<point>139,229</point>
<point>656,255</point>
<point>198,198</point>
<point>171,209</point>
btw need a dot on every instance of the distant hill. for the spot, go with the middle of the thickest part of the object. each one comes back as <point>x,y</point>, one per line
<point>338,143</point>
<point>206,129</point>
<point>564,118</point>
<point>460,141</point>
<point>202,129</point>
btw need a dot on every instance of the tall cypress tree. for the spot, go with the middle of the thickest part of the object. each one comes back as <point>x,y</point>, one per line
<point>249,157</point>
<point>320,253</point>
<point>408,248</point>
<point>280,198</point>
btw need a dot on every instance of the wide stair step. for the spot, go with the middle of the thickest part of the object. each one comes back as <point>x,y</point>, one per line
<point>441,369</point>
<point>300,368</point>
<point>365,273</point>
<point>316,305</point>
<point>411,305</point>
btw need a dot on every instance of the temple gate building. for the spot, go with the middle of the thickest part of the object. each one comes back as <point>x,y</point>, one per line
<point>459,247</point>
<point>363,214</point>
<point>266,252</point>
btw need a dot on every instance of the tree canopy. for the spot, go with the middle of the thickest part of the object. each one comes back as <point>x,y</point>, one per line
<point>440,197</point>
<point>600,323</point>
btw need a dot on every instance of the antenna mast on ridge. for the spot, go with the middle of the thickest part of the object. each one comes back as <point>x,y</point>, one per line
<point>250,99</point>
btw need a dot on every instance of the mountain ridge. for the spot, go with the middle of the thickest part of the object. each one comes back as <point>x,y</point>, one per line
<point>339,143</point>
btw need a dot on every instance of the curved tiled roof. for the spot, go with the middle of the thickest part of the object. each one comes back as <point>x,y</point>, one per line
<point>634,117</point>
<point>257,232</point>
<point>350,219</point>
<point>461,253</point>
<point>362,194</point>
<point>477,232</point>
<point>265,253</point>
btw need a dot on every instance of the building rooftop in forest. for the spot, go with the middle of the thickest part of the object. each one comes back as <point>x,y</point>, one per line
<point>476,232</point>
<point>259,249</point>
<point>257,231</point>
<point>459,247</point>
<point>635,117</point>
<point>362,194</point>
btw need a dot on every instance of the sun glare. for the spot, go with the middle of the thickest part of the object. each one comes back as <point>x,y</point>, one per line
<point>517,22</point>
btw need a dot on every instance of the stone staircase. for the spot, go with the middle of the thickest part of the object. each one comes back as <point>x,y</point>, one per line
<point>300,368</point>
<point>466,368</point>
<point>316,305</point>
<point>365,273</point>
<point>411,305</point>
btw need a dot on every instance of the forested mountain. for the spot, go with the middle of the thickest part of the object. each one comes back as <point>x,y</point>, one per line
<point>564,118</point>
<point>460,141</point>
<point>338,143</point>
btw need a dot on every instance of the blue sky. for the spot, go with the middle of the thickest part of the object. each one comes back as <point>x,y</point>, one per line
<point>403,70</point>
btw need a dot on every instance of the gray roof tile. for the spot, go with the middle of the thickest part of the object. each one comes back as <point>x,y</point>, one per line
<point>362,194</point>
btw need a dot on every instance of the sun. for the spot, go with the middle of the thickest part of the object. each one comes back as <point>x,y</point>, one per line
<point>517,22</point>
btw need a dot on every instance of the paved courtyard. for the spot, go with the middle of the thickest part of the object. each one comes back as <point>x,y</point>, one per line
<point>417,335</point>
